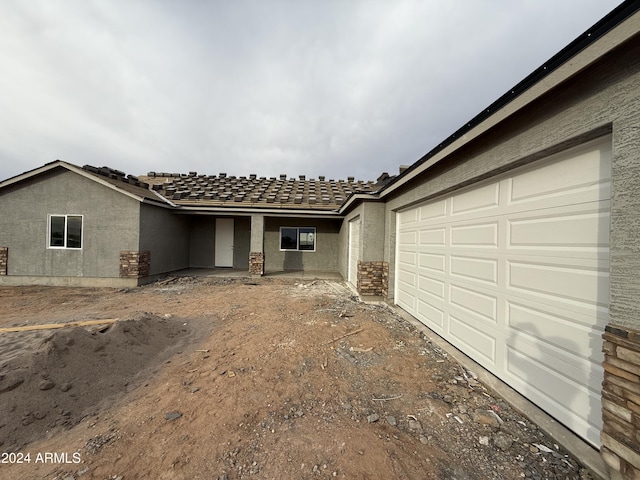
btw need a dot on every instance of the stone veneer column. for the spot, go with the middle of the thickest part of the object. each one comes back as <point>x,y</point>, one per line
<point>621,402</point>
<point>256,264</point>
<point>134,264</point>
<point>373,278</point>
<point>4,260</point>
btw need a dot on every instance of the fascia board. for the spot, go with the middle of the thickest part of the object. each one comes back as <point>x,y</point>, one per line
<point>71,168</point>
<point>592,53</point>
<point>259,211</point>
<point>357,197</point>
<point>32,173</point>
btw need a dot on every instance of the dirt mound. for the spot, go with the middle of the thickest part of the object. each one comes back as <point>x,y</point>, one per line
<point>76,372</point>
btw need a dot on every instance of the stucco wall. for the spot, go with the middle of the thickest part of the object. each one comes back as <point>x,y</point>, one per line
<point>241,242</point>
<point>371,246</point>
<point>343,246</point>
<point>325,258</point>
<point>201,241</point>
<point>166,235</point>
<point>602,99</point>
<point>110,224</point>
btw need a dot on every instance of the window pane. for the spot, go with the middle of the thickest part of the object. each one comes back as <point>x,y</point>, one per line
<point>74,231</point>
<point>56,230</point>
<point>288,239</point>
<point>307,239</point>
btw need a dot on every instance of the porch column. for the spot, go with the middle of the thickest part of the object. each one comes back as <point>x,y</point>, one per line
<point>256,252</point>
<point>4,260</point>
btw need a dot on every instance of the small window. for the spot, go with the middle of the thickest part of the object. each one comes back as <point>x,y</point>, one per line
<point>302,238</point>
<point>65,231</point>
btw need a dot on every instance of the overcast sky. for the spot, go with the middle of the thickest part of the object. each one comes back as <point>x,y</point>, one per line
<point>316,87</point>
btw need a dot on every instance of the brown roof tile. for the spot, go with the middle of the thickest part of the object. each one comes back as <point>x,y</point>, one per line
<point>254,191</point>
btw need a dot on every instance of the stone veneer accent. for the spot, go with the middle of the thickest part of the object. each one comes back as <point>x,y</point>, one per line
<point>135,264</point>
<point>621,402</point>
<point>4,259</point>
<point>373,278</point>
<point>256,263</point>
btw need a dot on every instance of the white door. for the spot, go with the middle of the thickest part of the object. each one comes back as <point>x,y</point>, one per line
<point>354,250</point>
<point>224,242</point>
<point>515,273</point>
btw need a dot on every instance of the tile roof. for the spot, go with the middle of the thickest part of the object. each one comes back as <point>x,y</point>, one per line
<point>253,191</point>
<point>121,180</point>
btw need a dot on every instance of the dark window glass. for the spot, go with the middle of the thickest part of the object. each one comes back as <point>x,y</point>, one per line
<point>289,239</point>
<point>74,231</point>
<point>307,238</point>
<point>56,238</point>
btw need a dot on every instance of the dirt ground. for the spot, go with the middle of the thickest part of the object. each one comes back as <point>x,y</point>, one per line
<point>210,378</point>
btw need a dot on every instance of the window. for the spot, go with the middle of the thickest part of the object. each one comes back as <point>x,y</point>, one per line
<point>298,238</point>
<point>65,231</point>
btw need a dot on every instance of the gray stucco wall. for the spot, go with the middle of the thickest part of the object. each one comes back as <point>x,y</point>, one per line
<point>110,224</point>
<point>241,242</point>
<point>343,249</point>
<point>371,247</point>
<point>602,99</point>
<point>201,242</point>
<point>325,258</point>
<point>166,235</point>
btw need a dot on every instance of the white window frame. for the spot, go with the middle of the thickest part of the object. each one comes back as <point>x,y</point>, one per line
<point>297,249</point>
<point>65,236</point>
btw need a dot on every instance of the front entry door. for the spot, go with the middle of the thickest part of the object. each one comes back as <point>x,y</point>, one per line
<point>224,242</point>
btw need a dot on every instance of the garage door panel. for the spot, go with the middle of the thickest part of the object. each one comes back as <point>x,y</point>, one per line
<point>431,286</point>
<point>515,273</point>
<point>407,299</point>
<point>431,315</point>
<point>408,217</point>
<point>475,269</point>
<point>587,172</point>
<point>569,231</point>
<point>408,259</point>
<point>432,261</point>
<point>467,336</point>
<point>433,211</point>
<point>482,305</point>
<point>483,199</point>
<point>584,284</point>
<point>408,238</point>
<point>481,235</point>
<point>548,326</point>
<point>408,279</point>
<point>435,237</point>
<point>578,406</point>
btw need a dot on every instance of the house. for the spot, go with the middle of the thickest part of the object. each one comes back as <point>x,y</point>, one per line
<point>516,239</point>
<point>120,230</point>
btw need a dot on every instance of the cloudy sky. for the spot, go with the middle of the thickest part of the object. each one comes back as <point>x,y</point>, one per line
<point>315,87</point>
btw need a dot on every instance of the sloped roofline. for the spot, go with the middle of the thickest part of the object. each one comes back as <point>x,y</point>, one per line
<point>618,26</point>
<point>84,173</point>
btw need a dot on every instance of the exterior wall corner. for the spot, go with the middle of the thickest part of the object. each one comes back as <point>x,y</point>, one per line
<point>256,264</point>
<point>4,260</point>
<point>621,402</point>
<point>135,264</point>
<point>373,278</point>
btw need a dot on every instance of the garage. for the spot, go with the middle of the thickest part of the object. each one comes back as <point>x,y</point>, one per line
<point>514,272</point>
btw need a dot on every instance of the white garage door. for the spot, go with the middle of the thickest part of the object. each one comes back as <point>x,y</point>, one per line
<point>515,273</point>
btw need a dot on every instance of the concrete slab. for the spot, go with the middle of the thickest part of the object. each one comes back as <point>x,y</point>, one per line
<point>243,272</point>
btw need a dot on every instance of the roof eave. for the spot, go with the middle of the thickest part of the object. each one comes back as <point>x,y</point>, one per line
<point>626,24</point>
<point>288,212</point>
